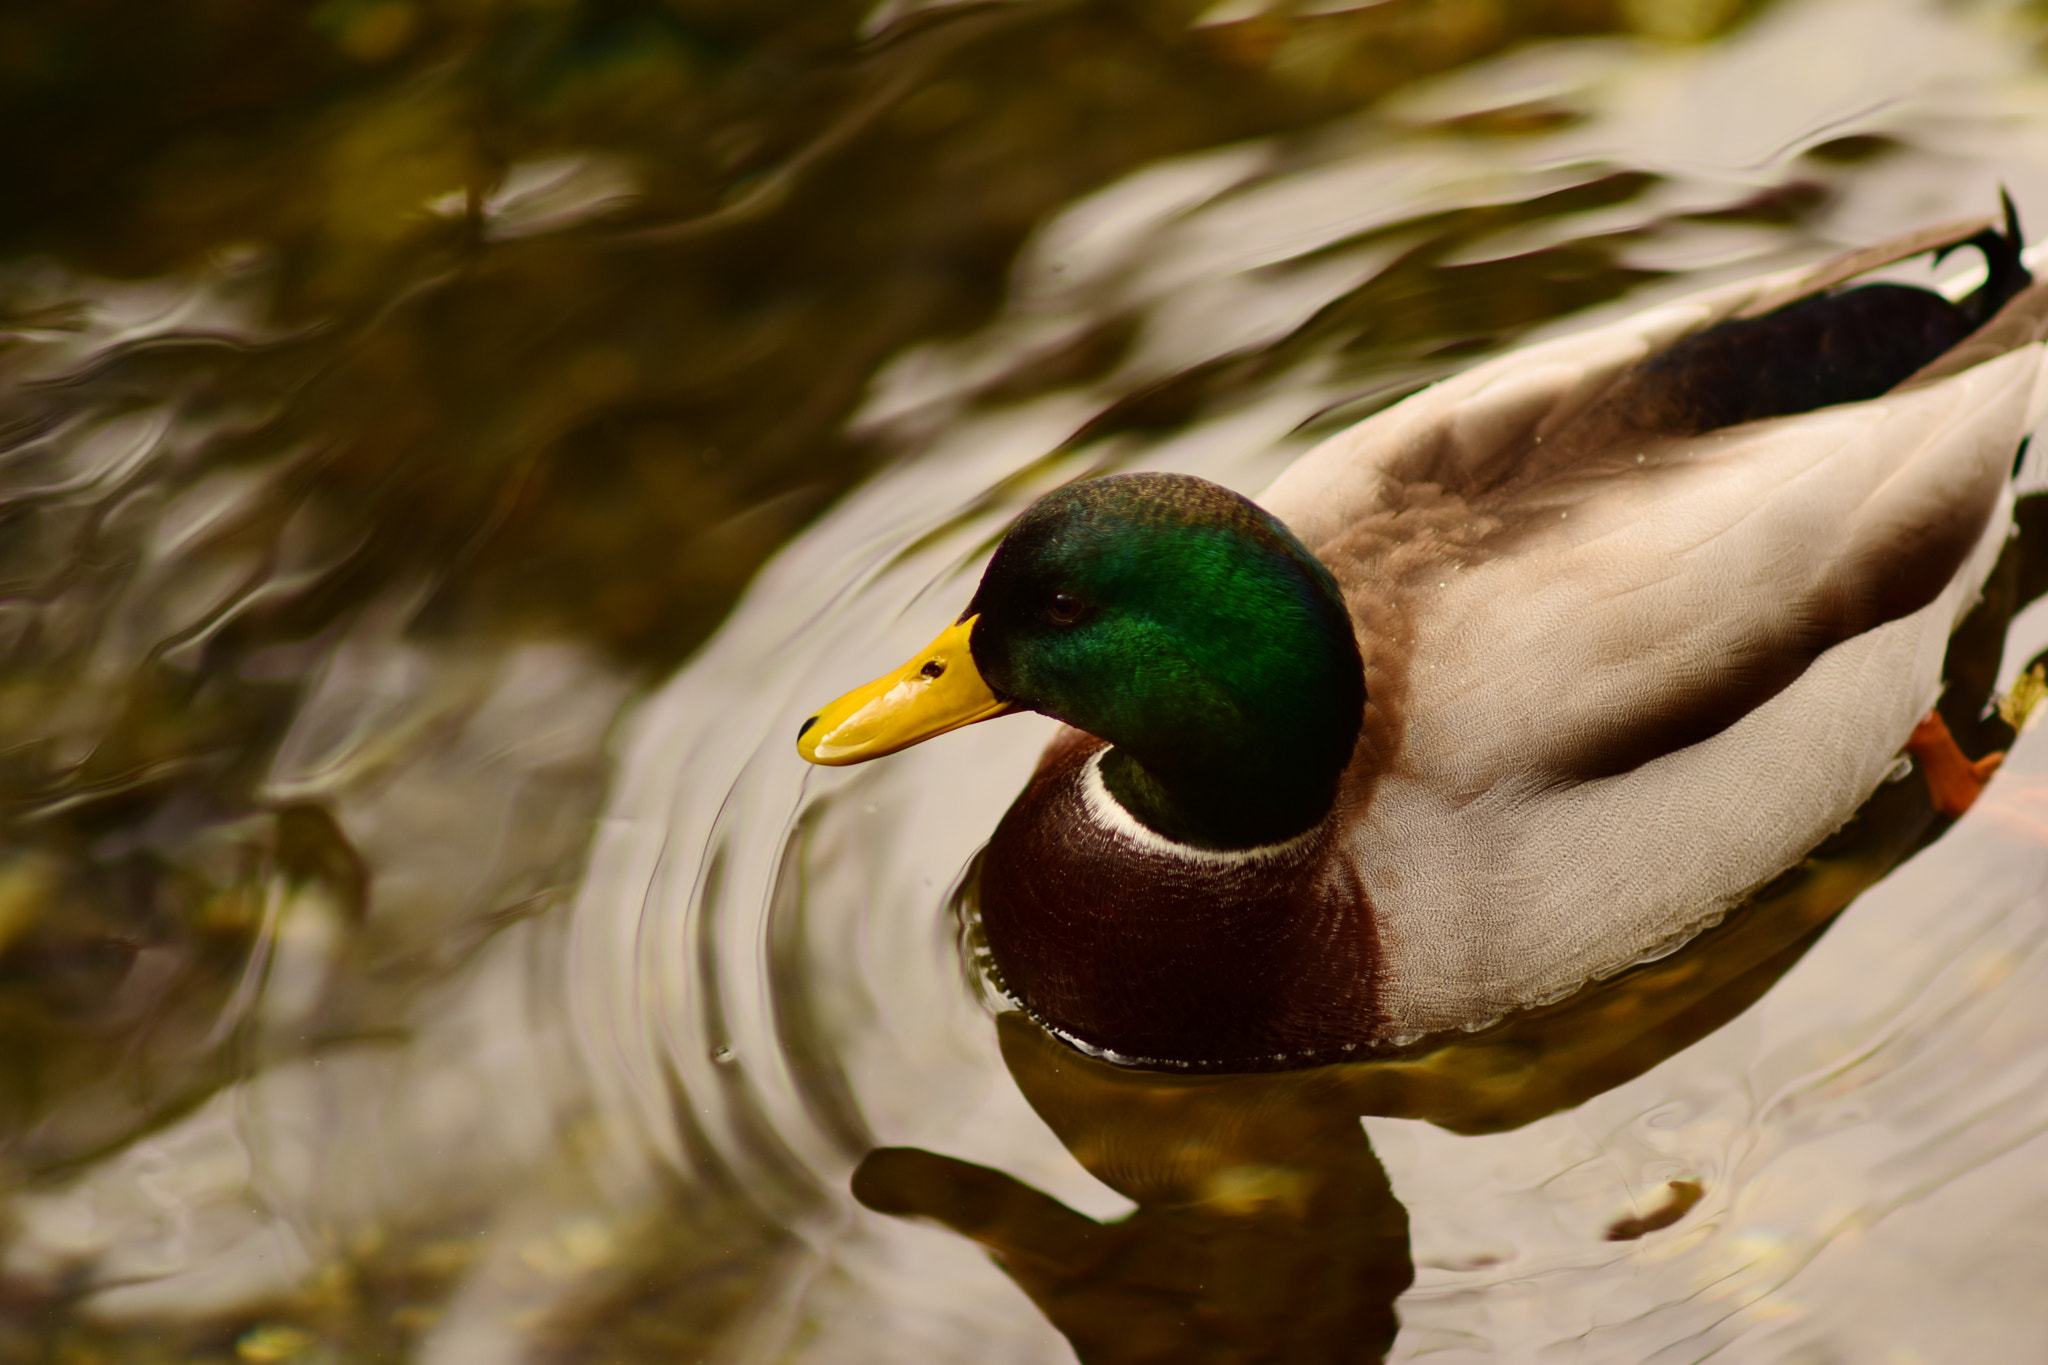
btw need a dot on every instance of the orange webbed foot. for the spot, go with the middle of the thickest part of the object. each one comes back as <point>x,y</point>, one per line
<point>1953,781</point>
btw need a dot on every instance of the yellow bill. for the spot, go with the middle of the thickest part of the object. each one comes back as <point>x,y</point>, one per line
<point>938,690</point>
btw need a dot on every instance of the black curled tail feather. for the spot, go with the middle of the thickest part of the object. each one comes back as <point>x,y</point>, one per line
<point>2005,275</point>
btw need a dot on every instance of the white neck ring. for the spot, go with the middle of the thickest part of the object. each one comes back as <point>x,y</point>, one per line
<point>1108,812</point>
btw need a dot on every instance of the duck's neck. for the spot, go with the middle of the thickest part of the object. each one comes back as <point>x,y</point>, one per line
<point>1260,791</point>
<point>1251,754</point>
<point>1243,720</point>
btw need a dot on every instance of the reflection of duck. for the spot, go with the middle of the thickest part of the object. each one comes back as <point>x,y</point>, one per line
<point>1593,641</point>
<point>1265,1227</point>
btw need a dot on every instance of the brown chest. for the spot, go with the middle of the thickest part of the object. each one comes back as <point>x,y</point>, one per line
<point>1205,962</point>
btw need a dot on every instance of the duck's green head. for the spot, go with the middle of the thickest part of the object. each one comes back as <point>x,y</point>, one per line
<point>1174,619</point>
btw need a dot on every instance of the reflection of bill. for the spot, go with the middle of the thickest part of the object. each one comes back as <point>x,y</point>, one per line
<point>1266,1228</point>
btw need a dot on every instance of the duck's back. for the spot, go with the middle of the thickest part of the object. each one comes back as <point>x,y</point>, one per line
<point>1621,671</point>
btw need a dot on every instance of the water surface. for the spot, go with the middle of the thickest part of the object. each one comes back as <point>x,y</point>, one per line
<point>418,938</point>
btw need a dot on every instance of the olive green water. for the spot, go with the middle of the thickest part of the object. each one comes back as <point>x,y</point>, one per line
<point>448,446</point>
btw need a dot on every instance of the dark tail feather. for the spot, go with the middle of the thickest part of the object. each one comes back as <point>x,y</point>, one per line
<point>2004,275</point>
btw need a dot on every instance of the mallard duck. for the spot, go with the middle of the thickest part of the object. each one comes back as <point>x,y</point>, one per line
<point>1524,680</point>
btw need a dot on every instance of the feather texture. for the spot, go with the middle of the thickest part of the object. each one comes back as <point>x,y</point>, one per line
<point>1636,637</point>
<point>1611,698</point>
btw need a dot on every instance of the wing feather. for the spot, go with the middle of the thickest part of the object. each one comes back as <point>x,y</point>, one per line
<point>1615,620</point>
<point>1477,427</point>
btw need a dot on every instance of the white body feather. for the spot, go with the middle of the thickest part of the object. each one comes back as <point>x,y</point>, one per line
<point>1498,884</point>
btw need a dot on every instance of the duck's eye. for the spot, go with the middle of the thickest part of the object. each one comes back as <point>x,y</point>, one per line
<point>1064,609</point>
